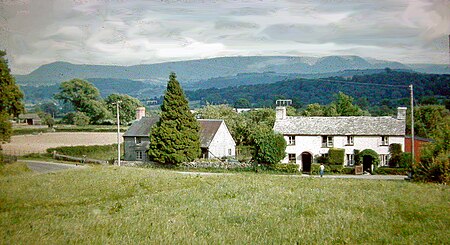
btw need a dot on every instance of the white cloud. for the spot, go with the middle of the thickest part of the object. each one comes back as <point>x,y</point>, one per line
<point>133,32</point>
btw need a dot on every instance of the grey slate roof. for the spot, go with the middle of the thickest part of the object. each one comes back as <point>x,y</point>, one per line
<point>340,126</point>
<point>141,128</point>
<point>208,129</point>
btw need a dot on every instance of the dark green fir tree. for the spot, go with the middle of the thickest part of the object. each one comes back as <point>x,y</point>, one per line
<point>175,138</point>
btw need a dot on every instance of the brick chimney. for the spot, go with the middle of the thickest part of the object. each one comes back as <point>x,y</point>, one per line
<point>140,113</point>
<point>401,113</point>
<point>280,112</point>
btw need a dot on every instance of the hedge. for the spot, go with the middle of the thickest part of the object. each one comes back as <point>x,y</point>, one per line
<point>336,156</point>
<point>390,171</point>
<point>285,167</point>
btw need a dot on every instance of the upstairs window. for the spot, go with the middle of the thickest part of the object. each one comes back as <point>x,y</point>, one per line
<point>137,140</point>
<point>384,140</point>
<point>291,140</point>
<point>327,141</point>
<point>350,140</point>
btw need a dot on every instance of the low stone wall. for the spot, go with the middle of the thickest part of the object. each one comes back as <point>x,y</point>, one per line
<point>197,164</point>
<point>216,164</point>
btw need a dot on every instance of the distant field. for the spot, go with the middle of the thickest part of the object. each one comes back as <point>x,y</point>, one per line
<point>113,205</point>
<point>24,144</point>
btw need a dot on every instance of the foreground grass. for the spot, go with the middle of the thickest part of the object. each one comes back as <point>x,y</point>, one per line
<point>129,205</point>
<point>16,168</point>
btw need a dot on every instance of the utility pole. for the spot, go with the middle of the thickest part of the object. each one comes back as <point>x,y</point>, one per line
<point>412,124</point>
<point>118,132</point>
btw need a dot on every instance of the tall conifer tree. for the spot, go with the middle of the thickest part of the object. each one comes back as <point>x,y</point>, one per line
<point>174,139</point>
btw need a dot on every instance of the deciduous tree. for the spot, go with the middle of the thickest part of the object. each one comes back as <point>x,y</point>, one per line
<point>84,97</point>
<point>10,99</point>
<point>127,111</point>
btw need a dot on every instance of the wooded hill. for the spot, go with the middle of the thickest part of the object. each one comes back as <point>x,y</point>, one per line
<point>321,90</point>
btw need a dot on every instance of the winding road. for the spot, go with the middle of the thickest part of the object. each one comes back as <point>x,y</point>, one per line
<point>48,167</point>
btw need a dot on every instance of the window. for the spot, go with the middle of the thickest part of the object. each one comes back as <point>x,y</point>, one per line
<point>350,159</point>
<point>138,155</point>
<point>350,140</point>
<point>327,141</point>
<point>384,140</point>
<point>292,158</point>
<point>137,140</point>
<point>384,160</point>
<point>291,140</point>
<point>229,152</point>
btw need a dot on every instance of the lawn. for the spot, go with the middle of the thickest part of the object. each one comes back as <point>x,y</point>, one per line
<point>113,205</point>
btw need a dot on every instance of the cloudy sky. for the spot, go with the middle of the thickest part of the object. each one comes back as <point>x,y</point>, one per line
<point>128,32</point>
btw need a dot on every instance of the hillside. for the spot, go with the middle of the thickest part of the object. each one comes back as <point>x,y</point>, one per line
<point>106,86</point>
<point>306,91</point>
<point>196,70</point>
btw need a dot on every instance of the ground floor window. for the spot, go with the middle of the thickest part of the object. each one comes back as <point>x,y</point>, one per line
<point>229,152</point>
<point>291,158</point>
<point>138,155</point>
<point>384,160</point>
<point>350,159</point>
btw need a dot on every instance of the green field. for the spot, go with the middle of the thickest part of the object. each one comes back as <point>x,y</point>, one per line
<point>112,205</point>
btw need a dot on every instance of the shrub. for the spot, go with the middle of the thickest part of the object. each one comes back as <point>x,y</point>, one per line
<point>322,159</point>
<point>347,170</point>
<point>405,160</point>
<point>285,167</point>
<point>336,156</point>
<point>357,157</point>
<point>335,169</point>
<point>390,171</point>
<point>434,164</point>
<point>270,147</point>
<point>81,119</point>
<point>395,151</point>
<point>315,168</point>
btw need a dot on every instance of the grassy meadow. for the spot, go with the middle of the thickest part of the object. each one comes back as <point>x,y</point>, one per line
<point>114,205</point>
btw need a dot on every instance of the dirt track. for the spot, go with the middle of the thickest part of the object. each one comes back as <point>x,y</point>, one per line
<point>25,144</point>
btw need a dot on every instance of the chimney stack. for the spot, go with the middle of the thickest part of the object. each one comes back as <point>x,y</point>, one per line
<point>280,112</point>
<point>401,113</point>
<point>140,113</point>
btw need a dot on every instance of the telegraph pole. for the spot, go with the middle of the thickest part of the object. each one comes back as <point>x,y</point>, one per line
<point>412,124</point>
<point>118,132</point>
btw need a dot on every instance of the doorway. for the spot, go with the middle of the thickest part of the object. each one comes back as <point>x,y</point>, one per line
<point>367,164</point>
<point>306,162</point>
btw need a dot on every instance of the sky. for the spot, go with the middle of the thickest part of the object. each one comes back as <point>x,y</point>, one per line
<point>129,32</point>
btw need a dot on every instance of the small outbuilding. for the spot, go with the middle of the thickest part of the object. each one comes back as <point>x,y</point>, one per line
<point>30,119</point>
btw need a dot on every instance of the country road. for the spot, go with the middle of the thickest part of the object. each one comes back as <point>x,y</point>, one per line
<point>47,167</point>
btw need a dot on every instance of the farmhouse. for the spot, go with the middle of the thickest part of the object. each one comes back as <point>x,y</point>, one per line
<point>311,137</point>
<point>215,139</point>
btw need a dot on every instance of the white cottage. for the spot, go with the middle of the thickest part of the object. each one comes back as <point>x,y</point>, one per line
<point>215,139</point>
<point>310,137</point>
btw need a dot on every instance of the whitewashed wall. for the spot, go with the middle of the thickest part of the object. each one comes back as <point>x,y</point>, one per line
<point>222,142</point>
<point>313,145</point>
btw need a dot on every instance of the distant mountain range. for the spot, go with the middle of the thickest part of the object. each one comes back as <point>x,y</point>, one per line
<point>195,71</point>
